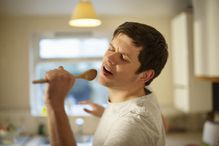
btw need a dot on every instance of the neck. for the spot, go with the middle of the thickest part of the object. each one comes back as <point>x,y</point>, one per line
<point>117,95</point>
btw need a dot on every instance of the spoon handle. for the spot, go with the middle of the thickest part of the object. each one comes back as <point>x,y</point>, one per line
<point>41,81</point>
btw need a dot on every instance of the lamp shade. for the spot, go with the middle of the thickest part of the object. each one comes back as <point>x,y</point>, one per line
<point>84,15</point>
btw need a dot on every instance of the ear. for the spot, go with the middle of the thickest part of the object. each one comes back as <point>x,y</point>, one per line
<point>147,75</point>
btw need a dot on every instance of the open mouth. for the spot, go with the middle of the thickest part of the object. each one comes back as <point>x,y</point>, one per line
<point>107,71</point>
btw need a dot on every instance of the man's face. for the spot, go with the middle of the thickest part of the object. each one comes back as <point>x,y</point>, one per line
<point>120,64</point>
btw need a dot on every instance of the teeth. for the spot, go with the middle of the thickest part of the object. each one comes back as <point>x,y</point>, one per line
<point>107,69</point>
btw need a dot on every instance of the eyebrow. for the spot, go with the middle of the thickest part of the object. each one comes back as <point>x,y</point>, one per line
<point>123,53</point>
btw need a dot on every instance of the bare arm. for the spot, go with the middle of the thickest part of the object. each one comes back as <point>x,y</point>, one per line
<point>60,82</point>
<point>59,128</point>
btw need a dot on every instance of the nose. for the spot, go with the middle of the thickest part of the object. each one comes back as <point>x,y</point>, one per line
<point>113,58</point>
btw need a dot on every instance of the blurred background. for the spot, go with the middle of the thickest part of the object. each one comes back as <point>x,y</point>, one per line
<point>35,36</point>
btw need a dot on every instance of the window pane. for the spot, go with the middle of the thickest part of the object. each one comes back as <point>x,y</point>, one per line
<point>82,90</point>
<point>72,47</point>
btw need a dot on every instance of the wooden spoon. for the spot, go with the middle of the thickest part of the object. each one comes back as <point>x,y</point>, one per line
<point>87,75</point>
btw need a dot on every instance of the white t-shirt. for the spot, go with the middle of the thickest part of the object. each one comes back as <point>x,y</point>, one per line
<point>136,122</point>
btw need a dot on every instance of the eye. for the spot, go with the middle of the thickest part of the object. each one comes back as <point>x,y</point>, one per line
<point>111,49</point>
<point>124,58</point>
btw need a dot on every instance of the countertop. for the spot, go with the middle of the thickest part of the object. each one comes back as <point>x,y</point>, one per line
<point>184,139</point>
<point>172,139</point>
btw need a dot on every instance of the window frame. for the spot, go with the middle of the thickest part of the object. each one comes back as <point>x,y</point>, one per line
<point>34,59</point>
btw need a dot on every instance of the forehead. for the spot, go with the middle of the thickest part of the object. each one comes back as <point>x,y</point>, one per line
<point>125,44</point>
<point>123,39</point>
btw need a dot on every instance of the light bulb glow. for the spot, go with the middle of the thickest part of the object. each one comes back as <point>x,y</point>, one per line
<point>83,22</point>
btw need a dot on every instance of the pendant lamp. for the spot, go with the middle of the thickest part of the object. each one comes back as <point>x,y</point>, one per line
<point>84,15</point>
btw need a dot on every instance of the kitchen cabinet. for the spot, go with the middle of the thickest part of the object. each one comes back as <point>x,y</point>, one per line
<point>206,40</point>
<point>190,93</point>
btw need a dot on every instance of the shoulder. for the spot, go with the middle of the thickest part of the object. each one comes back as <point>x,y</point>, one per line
<point>137,123</point>
<point>131,131</point>
<point>146,106</point>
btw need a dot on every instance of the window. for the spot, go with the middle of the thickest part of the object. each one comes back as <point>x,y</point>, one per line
<point>72,48</point>
<point>76,55</point>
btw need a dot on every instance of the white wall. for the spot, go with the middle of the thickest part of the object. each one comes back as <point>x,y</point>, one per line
<point>15,39</point>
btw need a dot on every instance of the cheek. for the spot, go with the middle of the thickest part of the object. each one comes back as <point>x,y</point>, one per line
<point>106,55</point>
<point>126,71</point>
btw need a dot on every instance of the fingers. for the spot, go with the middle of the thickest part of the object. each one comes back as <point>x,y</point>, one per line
<point>88,111</point>
<point>59,74</point>
<point>97,110</point>
<point>52,71</point>
<point>60,68</point>
<point>87,102</point>
<point>93,105</point>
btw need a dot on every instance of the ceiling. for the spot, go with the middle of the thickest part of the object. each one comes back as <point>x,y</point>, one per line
<point>133,8</point>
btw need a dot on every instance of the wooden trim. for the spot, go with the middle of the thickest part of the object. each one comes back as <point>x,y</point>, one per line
<point>212,79</point>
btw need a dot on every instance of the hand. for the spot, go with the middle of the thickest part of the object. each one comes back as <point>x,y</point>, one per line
<point>60,82</point>
<point>97,109</point>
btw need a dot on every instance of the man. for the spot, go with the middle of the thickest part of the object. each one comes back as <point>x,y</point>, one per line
<point>136,55</point>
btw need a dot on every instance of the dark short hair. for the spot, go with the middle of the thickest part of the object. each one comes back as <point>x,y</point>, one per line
<point>154,51</point>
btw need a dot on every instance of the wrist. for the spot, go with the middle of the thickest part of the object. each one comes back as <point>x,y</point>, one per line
<point>55,107</point>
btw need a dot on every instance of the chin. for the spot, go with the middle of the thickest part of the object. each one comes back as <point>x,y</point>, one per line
<point>103,81</point>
